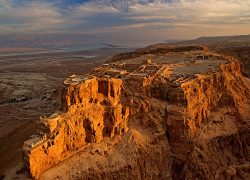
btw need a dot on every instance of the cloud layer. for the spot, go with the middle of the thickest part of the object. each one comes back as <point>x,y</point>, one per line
<point>122,20</point>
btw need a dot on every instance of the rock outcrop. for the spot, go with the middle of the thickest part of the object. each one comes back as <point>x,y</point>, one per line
<point>93,111</point>
<point>167,119</point>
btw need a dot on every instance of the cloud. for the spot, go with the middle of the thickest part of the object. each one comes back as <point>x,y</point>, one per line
<point>30,17</point>
<point>142,19</point>
<point>194,11</point>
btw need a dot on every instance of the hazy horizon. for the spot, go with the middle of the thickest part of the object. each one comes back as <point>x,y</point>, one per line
<point>124,21</point>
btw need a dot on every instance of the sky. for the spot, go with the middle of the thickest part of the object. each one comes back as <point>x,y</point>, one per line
<point>127,20</point>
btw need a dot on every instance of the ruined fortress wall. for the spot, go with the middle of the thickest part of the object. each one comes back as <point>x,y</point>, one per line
<point>101,107</point>
<point>93,111</point>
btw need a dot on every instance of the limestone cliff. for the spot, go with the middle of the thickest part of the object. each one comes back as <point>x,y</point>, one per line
<point>184,115</point>
<point>92,111</point>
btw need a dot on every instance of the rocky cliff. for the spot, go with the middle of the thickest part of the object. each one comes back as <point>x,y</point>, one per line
<point>92,111</point>
<point>183,114</point>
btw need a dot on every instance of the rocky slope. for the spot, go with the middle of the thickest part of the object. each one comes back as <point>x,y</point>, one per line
<point>241,53</point>
<point>181,113</point>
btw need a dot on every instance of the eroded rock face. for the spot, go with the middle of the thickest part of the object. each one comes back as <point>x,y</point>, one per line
<point>212,143</point>
<point>215,96</point>
<point>92,111</point>
<point>168,119</point>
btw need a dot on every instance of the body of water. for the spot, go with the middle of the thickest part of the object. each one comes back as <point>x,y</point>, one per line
<point>88,47</point>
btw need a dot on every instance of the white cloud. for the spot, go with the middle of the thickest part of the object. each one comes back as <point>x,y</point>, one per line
<point>88,9</point>
<point>194,11</point>
<point>30,17</point>
<point>5,4</point>
<point>178,18</point>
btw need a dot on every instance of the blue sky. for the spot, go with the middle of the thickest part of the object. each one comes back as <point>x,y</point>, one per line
<point>127,20</point>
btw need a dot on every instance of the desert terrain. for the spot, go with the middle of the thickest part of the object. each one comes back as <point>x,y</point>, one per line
<point>166,111</point>
<point>124,90</point>
<point>30,86</point>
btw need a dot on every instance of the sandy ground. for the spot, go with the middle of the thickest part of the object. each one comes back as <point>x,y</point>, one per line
<point>30,86</point>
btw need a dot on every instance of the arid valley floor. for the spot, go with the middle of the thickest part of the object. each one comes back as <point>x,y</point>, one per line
<point>177,111</point>
<point>30,86</point>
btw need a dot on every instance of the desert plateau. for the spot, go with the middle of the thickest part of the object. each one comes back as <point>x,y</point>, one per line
<point>159,112</point>
<point>125,90</point>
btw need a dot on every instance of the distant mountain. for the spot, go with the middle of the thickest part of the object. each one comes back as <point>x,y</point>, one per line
<point>76,39</point>
<point>215,39</point>
<point>45,40</point>
<point>239,40</point>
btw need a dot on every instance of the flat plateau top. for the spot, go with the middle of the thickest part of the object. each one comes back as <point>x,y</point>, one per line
<point>175,64</point>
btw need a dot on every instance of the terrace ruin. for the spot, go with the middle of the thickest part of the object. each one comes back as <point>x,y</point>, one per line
<point>100,105</point>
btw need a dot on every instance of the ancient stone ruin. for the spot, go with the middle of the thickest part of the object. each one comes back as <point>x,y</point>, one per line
<point>176,116</point>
